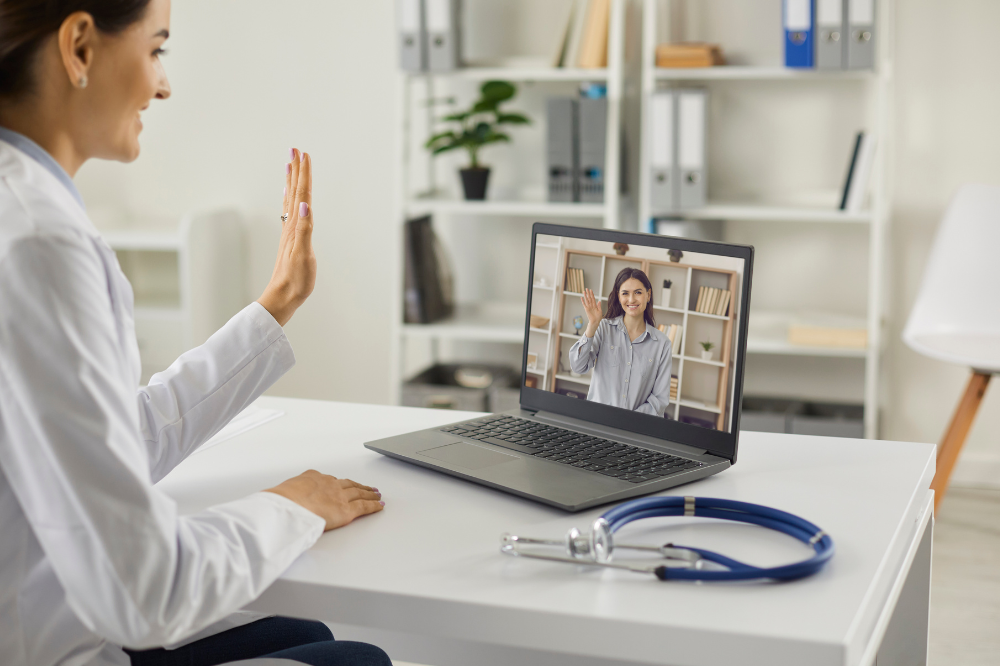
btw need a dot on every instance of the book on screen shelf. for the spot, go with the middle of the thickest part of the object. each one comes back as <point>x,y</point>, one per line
<point>673,333</point>
<point>713,301</point>
<point>673,387</point>
<point>818,329</point>
<point>574,280</point>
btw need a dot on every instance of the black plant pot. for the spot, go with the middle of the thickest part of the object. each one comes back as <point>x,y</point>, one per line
<point>474,183</point>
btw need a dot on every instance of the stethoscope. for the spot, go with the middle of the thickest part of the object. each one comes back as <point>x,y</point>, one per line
<point>596,548</point>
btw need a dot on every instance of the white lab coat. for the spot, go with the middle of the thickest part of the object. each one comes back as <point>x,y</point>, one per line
<point>92,555</point>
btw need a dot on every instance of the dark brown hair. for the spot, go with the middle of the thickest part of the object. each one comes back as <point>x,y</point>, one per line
<point>26,24</point>
<point>615,308</point>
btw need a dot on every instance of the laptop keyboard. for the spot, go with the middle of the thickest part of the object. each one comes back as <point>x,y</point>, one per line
<point>622,461</point>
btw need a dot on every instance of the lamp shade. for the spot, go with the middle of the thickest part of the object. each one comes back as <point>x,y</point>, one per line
<point>956,317</point>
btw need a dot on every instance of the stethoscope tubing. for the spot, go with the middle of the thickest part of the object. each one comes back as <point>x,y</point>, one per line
<point>722,509</point>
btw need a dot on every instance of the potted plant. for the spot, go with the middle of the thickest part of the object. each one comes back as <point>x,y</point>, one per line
<point>478,126</point>
<point>706,350</point>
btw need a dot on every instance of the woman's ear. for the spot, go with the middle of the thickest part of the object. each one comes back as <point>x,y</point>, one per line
<point>76,40</point>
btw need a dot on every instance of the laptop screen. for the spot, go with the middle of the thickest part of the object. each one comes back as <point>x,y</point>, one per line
<point>646,325</point>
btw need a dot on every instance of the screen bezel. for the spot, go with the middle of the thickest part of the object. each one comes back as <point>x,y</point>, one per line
<point>723,444</point>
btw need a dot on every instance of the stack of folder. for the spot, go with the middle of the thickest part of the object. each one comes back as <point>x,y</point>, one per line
<point>429,37</point>
<point>839,34</point>
<point>678,130</point>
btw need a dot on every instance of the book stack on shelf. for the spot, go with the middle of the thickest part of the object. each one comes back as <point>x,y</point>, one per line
<point>585,38</point>
<point>689,54</point>
<point>673,332</point>
<point>575,281</point>
<point>713,301</point>
<point>673,387</point>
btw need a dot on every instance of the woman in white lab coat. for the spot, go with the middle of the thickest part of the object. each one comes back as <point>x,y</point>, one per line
<point>93,558</point>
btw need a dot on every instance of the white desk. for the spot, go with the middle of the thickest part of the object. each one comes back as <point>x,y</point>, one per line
<point>426,581</point>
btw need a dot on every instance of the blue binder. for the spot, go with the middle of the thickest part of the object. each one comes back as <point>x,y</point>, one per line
<point>800,28</point>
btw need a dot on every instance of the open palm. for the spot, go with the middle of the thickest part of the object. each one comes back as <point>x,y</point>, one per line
<point>591,307</point>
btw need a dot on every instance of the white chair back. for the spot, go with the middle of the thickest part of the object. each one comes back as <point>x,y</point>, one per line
<point>956,317</point>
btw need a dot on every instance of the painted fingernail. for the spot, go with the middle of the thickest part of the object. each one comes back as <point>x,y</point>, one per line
<point>291,153</point>
<point>374,489</point>
<point>285,193</point>
<point>288,168</point>
<point>303,209</point>
<point>302,156</point>
<point>382,503</point>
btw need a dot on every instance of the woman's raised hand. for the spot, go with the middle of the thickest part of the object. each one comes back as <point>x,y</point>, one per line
<point>593,310</point>
<point>337,501</point>
<point>294,273</point>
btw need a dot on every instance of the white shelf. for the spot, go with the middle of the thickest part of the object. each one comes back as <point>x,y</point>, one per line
<point>763,345</point>
<point>718,364</point>
<point>571,336</point>
<point>520,74</point>
<point>143,240</point>
<point>570,378</point>
<point>666,309</point>
<point>694,404</point>
<point>538,286</point>
<point>764,213</point>
<point>551,246</point>
<point>511,208</point>
<point>596,297</point>
<point>493,322</point>
<point>745,73</point>
<point>708,316</point>
<point>543,331</point>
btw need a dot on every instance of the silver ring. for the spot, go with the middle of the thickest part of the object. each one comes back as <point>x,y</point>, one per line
<point>284,217</point>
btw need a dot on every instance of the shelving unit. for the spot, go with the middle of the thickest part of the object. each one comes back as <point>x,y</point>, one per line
<point>685,277</point>
<point>874,90</point>
<point>482,320</point>
<point>167,270</point>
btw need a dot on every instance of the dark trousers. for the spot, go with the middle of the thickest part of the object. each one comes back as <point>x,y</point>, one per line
<point>276,637</point>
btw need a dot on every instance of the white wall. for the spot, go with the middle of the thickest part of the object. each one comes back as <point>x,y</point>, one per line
<point>251,78</point>
<point>947,133</point>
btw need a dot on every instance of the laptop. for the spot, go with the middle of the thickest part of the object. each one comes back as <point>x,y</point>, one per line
<point>649,400</point>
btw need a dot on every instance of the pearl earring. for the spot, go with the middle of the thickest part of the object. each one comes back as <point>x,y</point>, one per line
<point>82,82</point>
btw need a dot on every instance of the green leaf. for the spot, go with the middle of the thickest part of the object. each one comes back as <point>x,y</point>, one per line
<point>445,148</point>
<point>457,117</point>
<point>498,91</point>
<point>484,106</point>
<point>513,119</point>
<point>496,137</point>
<point>438,137</point>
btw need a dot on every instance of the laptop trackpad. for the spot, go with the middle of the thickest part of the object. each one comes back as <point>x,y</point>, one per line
<point>467,455</point>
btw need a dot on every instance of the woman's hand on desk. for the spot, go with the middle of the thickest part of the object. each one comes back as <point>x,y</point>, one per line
<point>337,501</point>
<point>294,273</point>
<point>593,310</point>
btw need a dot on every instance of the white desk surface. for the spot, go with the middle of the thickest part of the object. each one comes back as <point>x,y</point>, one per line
<point>430,565</point>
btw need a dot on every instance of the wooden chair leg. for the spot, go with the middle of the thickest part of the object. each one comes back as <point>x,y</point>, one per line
<point>958,430</point>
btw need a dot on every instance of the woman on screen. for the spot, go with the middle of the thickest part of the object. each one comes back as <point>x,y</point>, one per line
<point>630,358</point>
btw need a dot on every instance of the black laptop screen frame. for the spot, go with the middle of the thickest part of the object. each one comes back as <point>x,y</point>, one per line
<point>716,442</point>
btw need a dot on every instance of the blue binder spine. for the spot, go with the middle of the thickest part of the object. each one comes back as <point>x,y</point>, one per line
<point>800,30</point>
